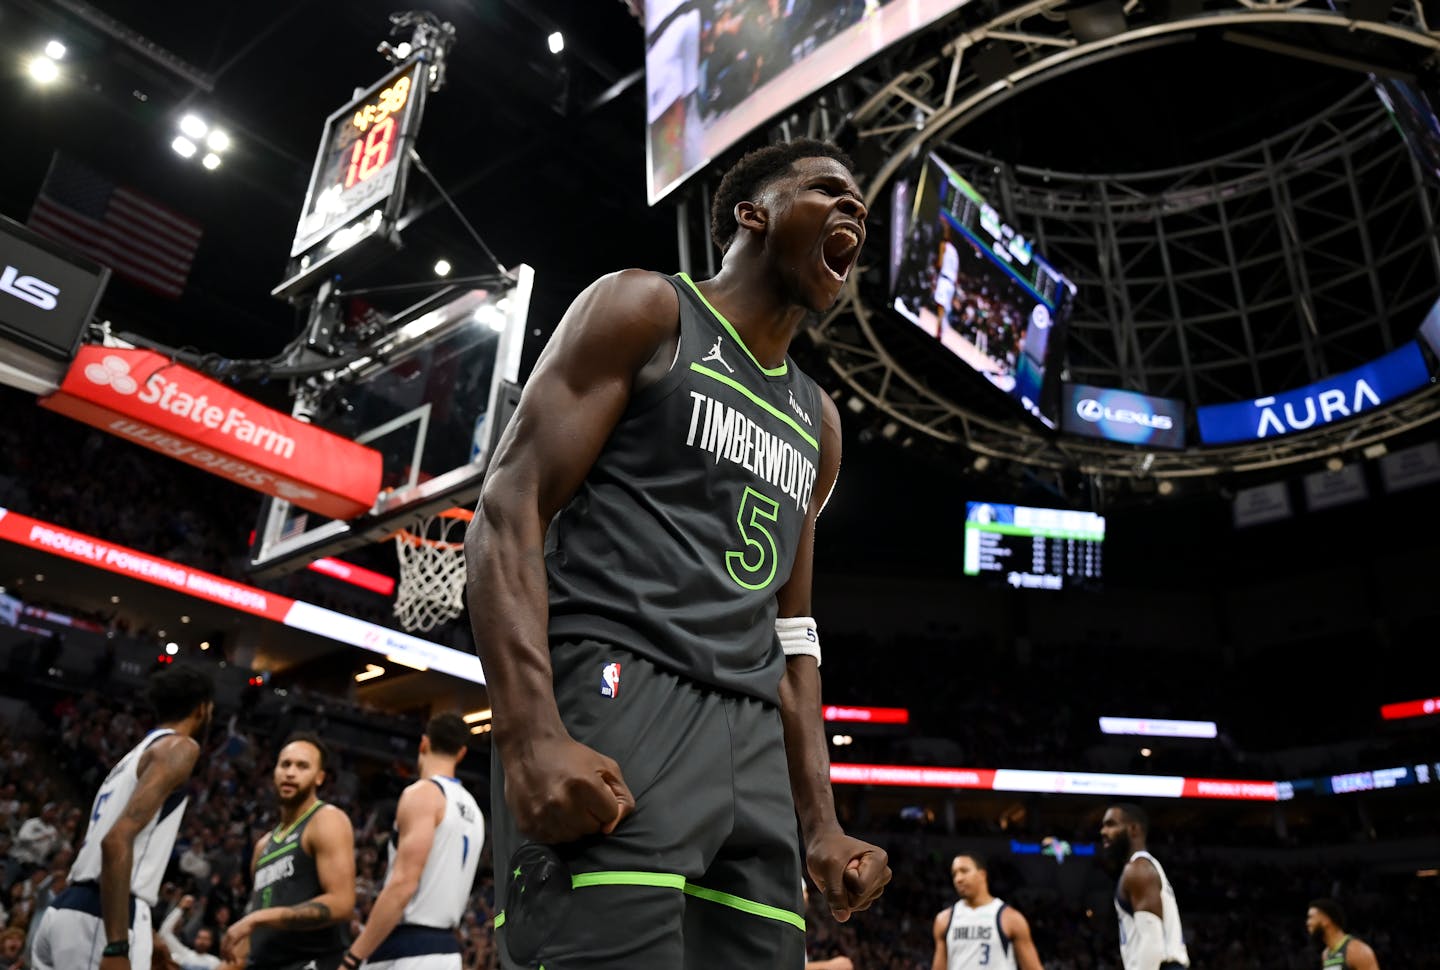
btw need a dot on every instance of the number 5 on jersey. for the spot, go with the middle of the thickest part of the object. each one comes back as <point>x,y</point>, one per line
<point>754,566</point>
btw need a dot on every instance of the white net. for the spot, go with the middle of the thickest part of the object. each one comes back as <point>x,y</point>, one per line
<point>432,570</point>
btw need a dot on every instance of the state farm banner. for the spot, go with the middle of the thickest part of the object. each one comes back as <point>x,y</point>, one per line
<point>146,398</point>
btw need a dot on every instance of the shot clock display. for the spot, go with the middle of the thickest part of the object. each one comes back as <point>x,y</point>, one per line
<point>360,159</point>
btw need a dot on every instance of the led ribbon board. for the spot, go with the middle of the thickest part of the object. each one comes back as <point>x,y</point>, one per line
<point>1372,385</point>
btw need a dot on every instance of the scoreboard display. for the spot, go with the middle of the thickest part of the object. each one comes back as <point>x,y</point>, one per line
<point>361,156</point>
<point>1033,548</point>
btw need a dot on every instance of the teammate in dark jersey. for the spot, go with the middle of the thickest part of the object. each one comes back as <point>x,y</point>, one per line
<point>303,891</point>
<point>1325,922</point>
<point>651,662</point>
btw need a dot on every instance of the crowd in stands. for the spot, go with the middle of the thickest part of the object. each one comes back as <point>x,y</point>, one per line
<point>53,755</point>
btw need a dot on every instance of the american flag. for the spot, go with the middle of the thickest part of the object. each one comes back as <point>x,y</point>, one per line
<point>134,235</point>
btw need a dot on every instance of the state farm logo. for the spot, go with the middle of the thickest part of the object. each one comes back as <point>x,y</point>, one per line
<point>178,399</point>
<point>113,372</point>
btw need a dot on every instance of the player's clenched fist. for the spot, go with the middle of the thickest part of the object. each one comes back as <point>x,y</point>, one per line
<point>560,790</point>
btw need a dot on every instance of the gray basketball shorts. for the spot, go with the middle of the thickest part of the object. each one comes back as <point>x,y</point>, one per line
<point>705,873</point>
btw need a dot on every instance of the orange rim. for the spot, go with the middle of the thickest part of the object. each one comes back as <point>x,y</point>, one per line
<point>462,515</point>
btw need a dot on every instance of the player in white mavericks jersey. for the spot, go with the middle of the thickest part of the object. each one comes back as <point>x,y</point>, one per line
<point>102,920</point>
<point>439,834</point>
<point>980,931</point>
<point>1151,937</point>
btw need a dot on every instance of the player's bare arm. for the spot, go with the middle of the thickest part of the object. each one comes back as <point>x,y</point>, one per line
<point>330,840</point>
<point>1017,928</point>
<point>421,808</point>
<point>163,768</point>
<point>849,872</point>
<point>614,337</point>
<point>942,923</point>
<point>1359,956</point>
<point>1140,884</point>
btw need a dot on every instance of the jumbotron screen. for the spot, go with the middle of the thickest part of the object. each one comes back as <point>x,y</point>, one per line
<point>1033,548</point>
<point>977,285</point>
<point>715,70</point>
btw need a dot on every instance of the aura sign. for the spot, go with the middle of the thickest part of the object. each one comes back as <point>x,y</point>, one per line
<point>1383,380</point>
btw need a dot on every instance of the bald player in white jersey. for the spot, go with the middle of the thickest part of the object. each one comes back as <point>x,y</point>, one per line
<point>980,931</point>
<point>439,834</point>
<point>1151,936</point>
<point>102,920</point>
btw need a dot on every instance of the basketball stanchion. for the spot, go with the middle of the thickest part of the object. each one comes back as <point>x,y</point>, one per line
<point>432,569</point>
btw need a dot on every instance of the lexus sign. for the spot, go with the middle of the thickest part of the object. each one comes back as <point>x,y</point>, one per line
<point>151,400</point>
<point>1124,416</point>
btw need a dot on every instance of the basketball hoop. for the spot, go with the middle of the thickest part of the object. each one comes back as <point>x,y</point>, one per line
<point>432,569</point>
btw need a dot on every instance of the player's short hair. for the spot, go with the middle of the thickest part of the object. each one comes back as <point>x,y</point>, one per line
<point>757,169</point>
<point>448,733</point>
<point>174,692</point>
<point>1135,814</point>
<point>1332,909</point>
<point>312,739</point>
<point>979,858</point>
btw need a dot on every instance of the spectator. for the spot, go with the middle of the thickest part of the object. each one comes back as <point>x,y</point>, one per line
<point>38,837</point>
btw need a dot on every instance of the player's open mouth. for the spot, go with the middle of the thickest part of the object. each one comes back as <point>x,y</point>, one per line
<point>839,251</point>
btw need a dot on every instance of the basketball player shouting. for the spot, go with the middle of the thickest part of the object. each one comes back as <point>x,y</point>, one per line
<point>102,919</point>
<point>1150,933</point>
<point>651,661</point>
<point>304,873</point>
<point>980,930</point>
<point>438,836</point>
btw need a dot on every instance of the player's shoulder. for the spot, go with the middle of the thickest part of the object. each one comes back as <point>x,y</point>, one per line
<point>638,293</point>
<point>942,918</point>
<point>330,818</point>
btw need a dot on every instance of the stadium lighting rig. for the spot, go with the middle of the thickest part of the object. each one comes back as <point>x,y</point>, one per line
<point>194,133</point>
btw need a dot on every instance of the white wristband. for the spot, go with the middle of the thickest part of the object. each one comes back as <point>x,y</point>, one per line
<point>798,636</point>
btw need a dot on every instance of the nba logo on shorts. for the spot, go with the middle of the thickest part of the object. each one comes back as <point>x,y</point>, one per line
<point>610,680</point>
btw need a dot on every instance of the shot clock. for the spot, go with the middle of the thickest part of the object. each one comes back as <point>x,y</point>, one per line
<point>360,165</point>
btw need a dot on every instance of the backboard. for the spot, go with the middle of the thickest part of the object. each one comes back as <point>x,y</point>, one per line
<point>431,396</point>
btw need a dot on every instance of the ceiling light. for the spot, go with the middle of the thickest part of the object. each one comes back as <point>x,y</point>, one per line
<point>114,599</point>
<point>43,70</point>
<point>184,619</point>
<point>211,161</point>
<point>1165,487</point>
<point>55,50</point>
<point>1145,752</point>
<point>39,577</point>
<point>1334,463</point>
<point>395,658</point>
<point>193,127</point>
<point>474,716</point>
<point>160,633</point>
<point>217,141</point>
<point>370,672</point>
<point>183,146</point>
<point>204,644</point>
<point>172,648</point>
<point>442,267</point>
<point>557,42</point>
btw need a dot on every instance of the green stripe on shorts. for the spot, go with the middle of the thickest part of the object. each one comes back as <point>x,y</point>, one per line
<point>500,919</point>
<point>746,905</point>
<point>669,880</point>
<point>662,880</point>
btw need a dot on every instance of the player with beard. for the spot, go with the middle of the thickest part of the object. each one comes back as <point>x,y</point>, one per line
<point>1151,937</point>
<point>1325,921</point>
<point>652,663</point>
<point>980,930</point>
<point>304,873</point>
<point>102,919</point>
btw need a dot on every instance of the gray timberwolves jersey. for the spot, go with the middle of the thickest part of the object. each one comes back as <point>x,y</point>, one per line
<point>688,523</point>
